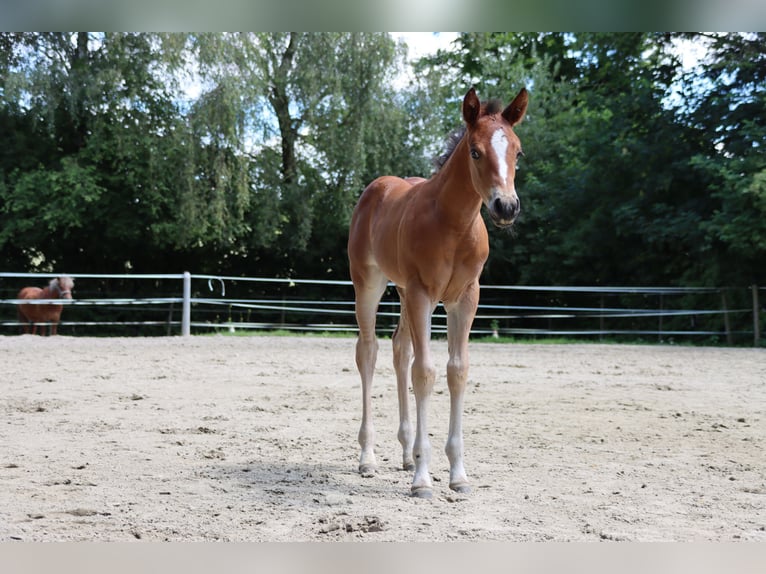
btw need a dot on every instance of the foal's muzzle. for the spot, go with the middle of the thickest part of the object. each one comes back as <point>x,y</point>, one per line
<point>503,211</point>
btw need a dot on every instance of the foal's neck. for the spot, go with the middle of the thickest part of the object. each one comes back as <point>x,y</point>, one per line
<point>457,198</point>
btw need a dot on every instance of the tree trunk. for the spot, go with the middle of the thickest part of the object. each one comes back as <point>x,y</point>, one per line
<point>280,101</point>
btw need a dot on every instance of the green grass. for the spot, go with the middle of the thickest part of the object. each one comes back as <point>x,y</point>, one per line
<point>435,337</point>
<point>540,340</point>
<point>535,341</point>
<point>280,333</point>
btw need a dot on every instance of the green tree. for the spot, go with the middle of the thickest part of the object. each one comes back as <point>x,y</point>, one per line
<point>606,187</point>
<point>96,116</point>
<point>226,151</point>
<point>731,113</point>
<point>245,153</point>
<point>323,115</point>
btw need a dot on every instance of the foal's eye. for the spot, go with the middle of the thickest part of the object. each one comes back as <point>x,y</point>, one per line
<point>475,153</point>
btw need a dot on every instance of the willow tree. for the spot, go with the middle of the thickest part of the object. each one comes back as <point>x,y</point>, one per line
<point>220,152</point>
<point>320,111</point>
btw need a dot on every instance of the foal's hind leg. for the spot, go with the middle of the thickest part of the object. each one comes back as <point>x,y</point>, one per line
<point>368,293</point>
<point>402,344</point>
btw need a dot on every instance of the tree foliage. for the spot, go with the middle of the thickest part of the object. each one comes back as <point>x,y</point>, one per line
<point>245,153</point>
<point>623,183</point>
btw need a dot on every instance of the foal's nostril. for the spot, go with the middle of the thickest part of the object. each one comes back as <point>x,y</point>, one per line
<point>498,207</point>
<point>505,209</point>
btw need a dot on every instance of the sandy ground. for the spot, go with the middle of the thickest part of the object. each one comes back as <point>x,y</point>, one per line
<point>254,438</point>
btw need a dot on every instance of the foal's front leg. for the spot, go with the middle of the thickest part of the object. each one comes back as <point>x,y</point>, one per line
<point>459,319</point>
<point>419,308</point>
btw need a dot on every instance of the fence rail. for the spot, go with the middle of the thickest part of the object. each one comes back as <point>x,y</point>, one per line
<point>151,304</point>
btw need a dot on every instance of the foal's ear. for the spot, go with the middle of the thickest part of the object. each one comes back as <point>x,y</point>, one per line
<point>515,111</point>
<point>471,107</point>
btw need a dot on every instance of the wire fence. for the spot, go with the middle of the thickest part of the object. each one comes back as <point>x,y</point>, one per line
<point>172,304</point>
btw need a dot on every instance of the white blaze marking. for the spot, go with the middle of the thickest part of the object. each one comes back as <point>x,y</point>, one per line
<point>500,145</point>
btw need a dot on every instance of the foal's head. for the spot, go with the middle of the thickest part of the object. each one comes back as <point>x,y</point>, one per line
<point>494,149</point>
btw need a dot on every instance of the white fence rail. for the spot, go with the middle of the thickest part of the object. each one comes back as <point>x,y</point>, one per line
<point>202,303</point>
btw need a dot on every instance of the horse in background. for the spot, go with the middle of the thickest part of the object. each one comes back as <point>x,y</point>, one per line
<point>42,314</point>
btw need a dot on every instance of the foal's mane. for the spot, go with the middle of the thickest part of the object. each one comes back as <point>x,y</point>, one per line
<point>488,108</point>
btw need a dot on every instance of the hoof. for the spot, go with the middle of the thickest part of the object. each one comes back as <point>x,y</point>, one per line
<point>461,488</point>
<point>408,465</point>
<point>422,492</point>
<point>367,470</point>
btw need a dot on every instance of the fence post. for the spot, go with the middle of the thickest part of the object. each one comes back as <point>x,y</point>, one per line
<point>601,321</point>
<point>756,318</point>
<point>726,321</point>
<point>186,313</point>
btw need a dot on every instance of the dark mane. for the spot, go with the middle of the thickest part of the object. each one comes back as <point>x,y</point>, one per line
<point>488,108</point>
<point>491,107</point>
<point>452,141</point>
